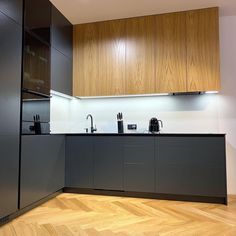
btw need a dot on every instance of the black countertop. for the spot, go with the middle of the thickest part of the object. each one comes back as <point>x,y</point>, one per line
<point>149,134</point>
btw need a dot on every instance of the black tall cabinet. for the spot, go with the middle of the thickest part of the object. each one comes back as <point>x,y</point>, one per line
<point>10,84</point>
<point>13,9</point>
<point>61,53</point>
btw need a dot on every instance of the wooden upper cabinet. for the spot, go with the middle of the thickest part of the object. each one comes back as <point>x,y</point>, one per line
<point>112,46</point>
<point>203,63</point>
<point>85,60</point>
<point>168,53</point>
<point>140,55</point>
<point>170,45</point>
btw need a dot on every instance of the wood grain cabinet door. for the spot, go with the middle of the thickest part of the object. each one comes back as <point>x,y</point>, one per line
<point>203,66</point>
<point>112,46</point>
<point>170,46</point>
<point>85,60</point>
<point>140,55</point>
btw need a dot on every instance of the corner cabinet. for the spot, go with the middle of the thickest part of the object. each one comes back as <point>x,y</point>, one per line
<point>167,53</point>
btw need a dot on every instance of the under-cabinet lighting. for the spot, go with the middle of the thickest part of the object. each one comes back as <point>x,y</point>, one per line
<point>53,92</point>
<point>211,92</point>
<point>125,96</point>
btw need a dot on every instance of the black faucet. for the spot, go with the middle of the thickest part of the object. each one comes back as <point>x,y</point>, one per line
<point>93,129</point>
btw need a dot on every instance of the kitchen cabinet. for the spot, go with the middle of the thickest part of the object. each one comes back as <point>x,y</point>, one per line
<point>13,9</point>
<point>10,84</point>
<point>191,166</point>
<point>166,166</point>
<point>139,164</point>
<point>79,162</point>
<point>85,60</point>
<point>170,46</point>
<point>42,167</point>
<point>203,63</point>
<point>111,56</point>
<point>108,163</point>
<point>36,77</point>
<point>61,72</point>
<point>61,32</point>
<point>140,55</point>
<point>167,53</point>
<point>99,59</point>
<point>38,18</point>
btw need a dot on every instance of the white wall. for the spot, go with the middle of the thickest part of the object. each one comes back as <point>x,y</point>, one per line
<point>212,113</point>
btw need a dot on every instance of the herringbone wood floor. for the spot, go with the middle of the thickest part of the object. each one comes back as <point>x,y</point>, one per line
<point>82,215</point>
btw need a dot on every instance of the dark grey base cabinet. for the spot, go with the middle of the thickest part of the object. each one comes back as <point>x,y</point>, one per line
<point>79,162</point>
<point>139,164</point>
<point>42,167</point>
<point>95,163</point>
<point>191,166</point>
<point>165,166</point>
<point>108,163</point>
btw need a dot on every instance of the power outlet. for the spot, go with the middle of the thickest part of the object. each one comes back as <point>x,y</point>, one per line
<point>132,126</point>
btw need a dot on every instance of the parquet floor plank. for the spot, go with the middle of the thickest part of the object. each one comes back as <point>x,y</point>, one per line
<point>89,215</point>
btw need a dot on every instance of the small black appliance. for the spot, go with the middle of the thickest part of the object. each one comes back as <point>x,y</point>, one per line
<point>155,125</point>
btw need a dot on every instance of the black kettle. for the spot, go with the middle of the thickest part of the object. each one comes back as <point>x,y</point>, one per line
<point>155,125</point>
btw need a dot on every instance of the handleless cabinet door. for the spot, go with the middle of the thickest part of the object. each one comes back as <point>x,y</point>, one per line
<point>85,60</point>
<point>42,167</point>
<point>191,166</point>
<point>62,33</point>
<point>139,164</point>
<point>108,163</point>
<point>38,18</point>
<point>61,72</point>
<point>140,55</point>
<point>79,162</point>
<point>170,45</point>
<point>112,46</point>
<point>13,9</point>
<point>10,87</point>
<point>203,62</point>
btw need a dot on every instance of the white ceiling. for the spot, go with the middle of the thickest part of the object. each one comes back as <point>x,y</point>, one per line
<point>83,11</point>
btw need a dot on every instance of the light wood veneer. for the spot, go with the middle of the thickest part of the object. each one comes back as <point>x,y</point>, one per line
<point>88,215</point>
<point>168,53</point>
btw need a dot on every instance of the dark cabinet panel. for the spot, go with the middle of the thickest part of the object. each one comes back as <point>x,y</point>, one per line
<point>191,166</point>
<point>139,164</point>
<point>108,163</point>
<point>42,167</point>
<point>62,31</point>
<point>79,162</point>
<point>38,18</point>
<point>13,9</point>
<point>36,66</point>
<point>61,72</point>
<point>10,80</point>
<point>10,75</point>
<point>9,170</point>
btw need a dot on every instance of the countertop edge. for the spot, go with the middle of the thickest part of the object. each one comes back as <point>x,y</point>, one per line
<point>146,134</point>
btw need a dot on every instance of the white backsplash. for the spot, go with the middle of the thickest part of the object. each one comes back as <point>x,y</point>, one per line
<point>198,113</point>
